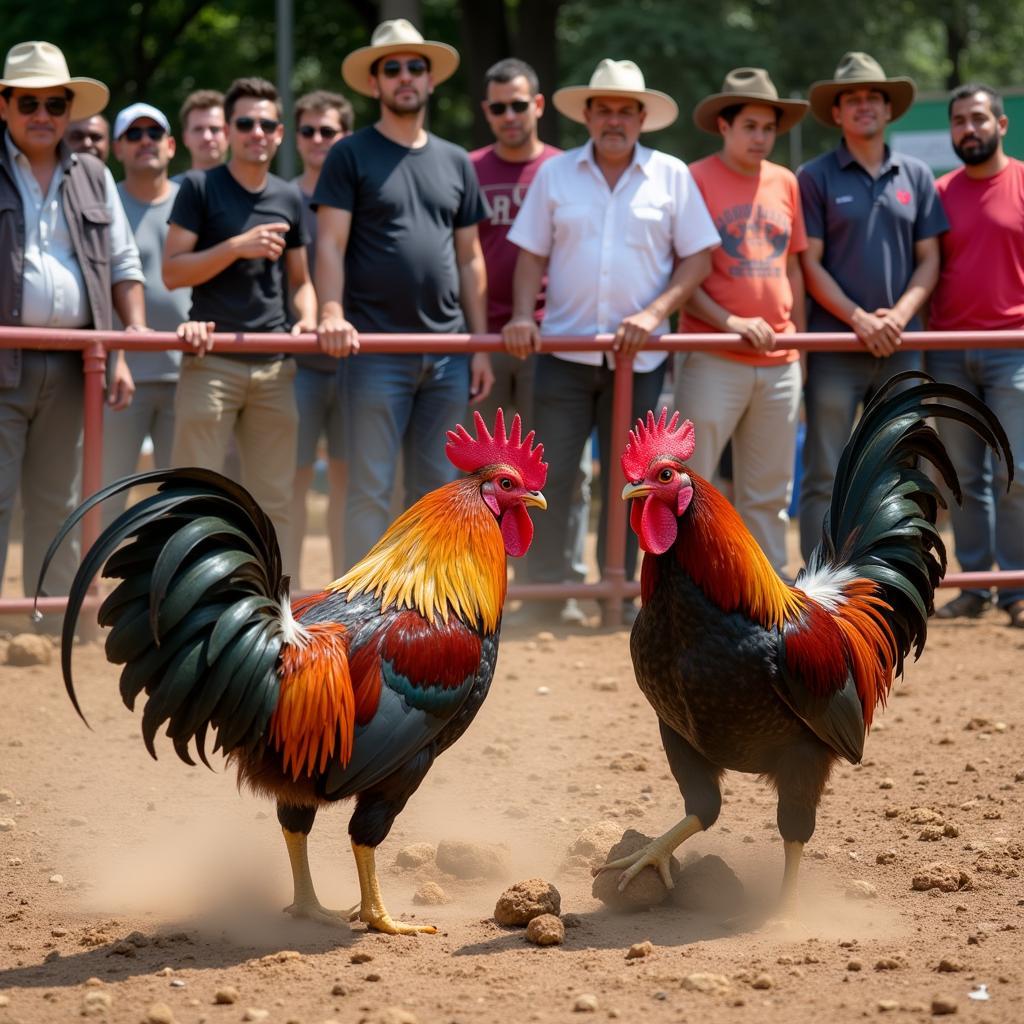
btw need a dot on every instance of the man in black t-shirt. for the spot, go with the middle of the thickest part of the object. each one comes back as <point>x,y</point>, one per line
<point>235,232</point>
<point>398,252</point>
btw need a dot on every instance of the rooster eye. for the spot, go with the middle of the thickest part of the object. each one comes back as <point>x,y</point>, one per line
<point>505,483</point>
<point>665,476</point>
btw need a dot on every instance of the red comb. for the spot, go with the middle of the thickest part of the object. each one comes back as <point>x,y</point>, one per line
<point>649,440</point>
<point>470,453</point>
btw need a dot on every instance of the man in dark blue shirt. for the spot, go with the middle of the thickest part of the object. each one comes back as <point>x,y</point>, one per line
<point>873,219</point>
<point>398,252</point>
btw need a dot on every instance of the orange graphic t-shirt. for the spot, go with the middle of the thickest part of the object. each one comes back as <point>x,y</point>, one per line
<point>760,223</point>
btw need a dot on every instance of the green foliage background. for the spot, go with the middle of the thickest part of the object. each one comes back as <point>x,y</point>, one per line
<point>159,50</point>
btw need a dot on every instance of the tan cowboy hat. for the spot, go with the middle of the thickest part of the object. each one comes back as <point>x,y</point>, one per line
<point>742,86</point>
<point>397,36</point>
<point>617,78</point>
<point>39,65</point>
<point>857,70</point>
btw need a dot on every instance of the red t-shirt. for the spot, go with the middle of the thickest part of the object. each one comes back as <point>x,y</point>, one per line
<point>761,224</point>
<point>504,187</point>
<point>981,286</point>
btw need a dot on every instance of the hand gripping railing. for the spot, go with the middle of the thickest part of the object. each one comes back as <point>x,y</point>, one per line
<point>614,588</point>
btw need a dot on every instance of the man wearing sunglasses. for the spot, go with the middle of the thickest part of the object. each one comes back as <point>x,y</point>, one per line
<point>144,146</point>
<point>398,252</point>
<point>321,119</point>
<point>90,135</point>
<point>236,238</point>
<point>70,262</point>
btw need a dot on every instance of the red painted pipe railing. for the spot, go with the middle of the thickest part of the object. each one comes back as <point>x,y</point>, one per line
<point>614,589</point>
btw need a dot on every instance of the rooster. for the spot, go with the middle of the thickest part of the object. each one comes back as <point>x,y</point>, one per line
<point>352,692</point>
<point>749,674</point>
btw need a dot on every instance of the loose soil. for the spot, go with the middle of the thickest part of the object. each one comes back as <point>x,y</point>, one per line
<point>127,882</point>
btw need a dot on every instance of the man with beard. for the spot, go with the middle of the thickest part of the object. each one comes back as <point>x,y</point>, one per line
<point>398,252</point>
<point>872,259</point>
<point>90,135</point>
<point>981,288</point>
<point>625,239</point>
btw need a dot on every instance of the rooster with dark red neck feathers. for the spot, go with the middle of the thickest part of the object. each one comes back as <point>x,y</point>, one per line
<point>352,692</point>
<point>749,674</point>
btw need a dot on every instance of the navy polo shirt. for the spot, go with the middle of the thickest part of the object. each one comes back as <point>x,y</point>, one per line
<point>869,226</point>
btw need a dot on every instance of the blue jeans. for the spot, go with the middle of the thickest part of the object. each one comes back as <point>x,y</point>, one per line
<point>989,527</point>
<point>398,403</point>
<point>569,400</point>
<point>838,383</point>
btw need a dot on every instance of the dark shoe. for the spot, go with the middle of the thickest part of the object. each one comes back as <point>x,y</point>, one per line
<point>1016,613</point>
<point>966,606</point>
<point>572,614</point>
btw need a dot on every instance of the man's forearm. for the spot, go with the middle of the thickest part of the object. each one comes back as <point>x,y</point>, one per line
<point>920,286</point>
<point>473,294</point>
<point>703,307</point>
<point>330,280</point>
<point>526,282</point>
<point>129,301</point>
<point>188,269</point>
<point>796,284</point>
<point>826,292</point>
<point>304,303</point>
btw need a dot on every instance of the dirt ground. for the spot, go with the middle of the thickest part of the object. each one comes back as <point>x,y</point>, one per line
<point>127,883</point>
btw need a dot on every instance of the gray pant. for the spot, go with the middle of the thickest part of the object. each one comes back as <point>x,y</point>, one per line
<point>151,415</point>
<point>41,451</point>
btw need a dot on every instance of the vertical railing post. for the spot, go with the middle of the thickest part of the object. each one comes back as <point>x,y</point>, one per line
<point>94,365</point>
<point>614,570</point>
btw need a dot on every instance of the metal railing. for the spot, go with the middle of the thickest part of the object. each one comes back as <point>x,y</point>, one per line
<point>613,589</point>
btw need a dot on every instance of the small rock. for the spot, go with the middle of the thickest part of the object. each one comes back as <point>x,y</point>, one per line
<point>471,860</point>
<point>372,976</point>
<point>545,930</point>
<point>430,894</point>
<point>886,857</point>
<point>254,1013</point>
<point>360,958</point>
<point>645,890</point>
<point>499,751</point>
<point>543,691</point>
<point>940,875</point>
<point>887,963</point>
<point>339,989</point>
<point>709,885</point>
<point>522,902</point>
<point>640,949</point>
<point>58,933</point>
<point>160,1013</point>
<point>930,834</point>
<point>29,649</point>
<point>4,1001</point>
<point>628,761</point>
<point>6,796</point>
<point>96,1004</point>
<point>416,855</point>
<point>57,879</point>
<point>886,784</point>
<point>585,1003</point>
<point>948,965</point>
<point>763,981</point>
<point>943,1005</point>
<point>709,984</point>
<point>887,1005</point>
<point>395,1015</point>
<point>7,825</point>
<point>855,965</point>
<point>859,889</point>
<point>545,637</point>
<point>226,996</point>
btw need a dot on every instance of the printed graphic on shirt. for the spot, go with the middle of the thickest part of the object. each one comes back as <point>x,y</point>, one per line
<point>754,237</point>
<point>504,200</point>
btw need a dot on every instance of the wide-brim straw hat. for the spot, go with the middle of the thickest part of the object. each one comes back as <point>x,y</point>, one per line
<point>617,78</point>
<point>397,36</point>
<point>39,65</point>
<point>742,86</point>
<point>860,71</point>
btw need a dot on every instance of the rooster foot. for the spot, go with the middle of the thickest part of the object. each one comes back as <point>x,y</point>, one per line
<point>311,910</point>
<point>381,921</point>
<point>656,854</point>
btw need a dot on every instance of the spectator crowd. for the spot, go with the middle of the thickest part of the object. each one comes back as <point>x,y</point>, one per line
<point>391,229</point>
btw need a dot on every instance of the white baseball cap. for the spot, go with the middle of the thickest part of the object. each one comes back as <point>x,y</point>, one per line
<point>124,120</point>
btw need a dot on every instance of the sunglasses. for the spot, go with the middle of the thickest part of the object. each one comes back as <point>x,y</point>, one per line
<point>518,107</point>
<point>416,67</point>
<point>247,124</point>
<point>94,137</point>
<point>307,131</point>
<point>55,106</point>
<point>153,132</point>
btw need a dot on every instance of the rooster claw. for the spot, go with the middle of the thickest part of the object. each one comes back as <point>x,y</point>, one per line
<point>313,911</point>
<point>650,856</point>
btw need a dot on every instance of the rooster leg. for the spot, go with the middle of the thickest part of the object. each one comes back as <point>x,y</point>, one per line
<point>657,854</point>
<point>372,910</point>
<point>794,851</point>
<point>305,904</point>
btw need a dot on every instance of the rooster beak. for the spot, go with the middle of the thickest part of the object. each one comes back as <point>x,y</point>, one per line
<point>635,491</point>
<point>535,498</point>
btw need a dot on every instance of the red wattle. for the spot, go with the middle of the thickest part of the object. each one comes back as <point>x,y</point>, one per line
<point>658,526</point>
<point>516,530</point>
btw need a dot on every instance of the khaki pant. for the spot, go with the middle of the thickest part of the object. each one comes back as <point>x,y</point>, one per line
<point>256,401</point>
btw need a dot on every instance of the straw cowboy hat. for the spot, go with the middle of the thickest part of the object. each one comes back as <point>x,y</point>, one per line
<point>397,36</point>
<point>747,85</point>
<point>617,78</point>
<point>858,71</point>
<point>39,65</point>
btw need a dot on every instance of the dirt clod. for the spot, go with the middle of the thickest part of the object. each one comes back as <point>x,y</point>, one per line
<point>940,875</point>
<point>429,894</point>
<point>226,996</point>
<point>645,890</point>
<point>522,902</point>
<point>640,949</point>
<point>545,930</point>
<point>943,1006</point>
<point>29,649</point>
<point>416,855</point>
<point>471,860</point>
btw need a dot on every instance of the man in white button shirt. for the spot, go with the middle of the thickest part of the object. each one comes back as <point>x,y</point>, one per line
<point>70,261</point>
<point>625,238</point>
